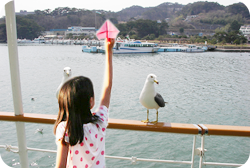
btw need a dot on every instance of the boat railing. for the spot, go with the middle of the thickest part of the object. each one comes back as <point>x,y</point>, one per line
<point>201,130</point>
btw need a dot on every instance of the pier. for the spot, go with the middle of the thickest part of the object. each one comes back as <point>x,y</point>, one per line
<point>232,49</point>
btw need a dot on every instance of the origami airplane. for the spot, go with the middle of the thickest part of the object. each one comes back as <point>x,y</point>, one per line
<point>107,30</point>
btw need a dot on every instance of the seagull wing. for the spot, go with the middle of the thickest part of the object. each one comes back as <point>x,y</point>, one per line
<point>159,100</point>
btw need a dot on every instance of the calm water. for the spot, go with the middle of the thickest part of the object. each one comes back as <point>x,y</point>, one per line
<point>207,88</point>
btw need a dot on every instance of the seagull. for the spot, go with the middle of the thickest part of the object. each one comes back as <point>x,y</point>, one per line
<point>149,98</point>
<point>40,130</point>
<point>67,75</point>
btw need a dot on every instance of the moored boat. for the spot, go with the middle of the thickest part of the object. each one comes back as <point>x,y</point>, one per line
<point>175,47</point>
<point>194,48</point>
<point>39,40</point>
<point>134,46</point>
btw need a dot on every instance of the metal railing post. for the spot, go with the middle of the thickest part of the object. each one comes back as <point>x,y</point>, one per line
<point>193,152</point>
<point>202,151</point>
<point>15,80</point>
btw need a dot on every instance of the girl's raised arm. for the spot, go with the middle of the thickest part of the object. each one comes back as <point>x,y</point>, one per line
<point>108,75</point>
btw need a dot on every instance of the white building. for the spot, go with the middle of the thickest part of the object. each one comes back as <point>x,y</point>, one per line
<point>245,30</point>
<point>77,30</point>
<point>24,12</point>
<point>190,17</point>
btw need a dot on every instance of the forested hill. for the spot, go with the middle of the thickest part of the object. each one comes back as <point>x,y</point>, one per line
<point>64,17</point>
<point>160,12</point>
<point>208,14</point>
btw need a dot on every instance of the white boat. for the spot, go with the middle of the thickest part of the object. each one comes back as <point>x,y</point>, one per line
<point>194,48</point>
<point>39,40</point>
<point>24,41</point>
<point>134,46</point>
<point>93,49</point>
<point>175,47</point>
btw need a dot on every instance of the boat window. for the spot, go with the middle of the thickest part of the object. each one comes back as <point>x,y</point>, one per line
<point>117,46</point>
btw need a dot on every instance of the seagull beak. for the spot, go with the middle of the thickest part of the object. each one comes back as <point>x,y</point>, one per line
<point>156,81</point>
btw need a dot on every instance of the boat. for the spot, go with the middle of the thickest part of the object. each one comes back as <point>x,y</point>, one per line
<point>194,48</point>
<point>24,41</point>
<point>128,46</point>
<point>39,40</point>
<point>175,47</point>
<point>93,49</point>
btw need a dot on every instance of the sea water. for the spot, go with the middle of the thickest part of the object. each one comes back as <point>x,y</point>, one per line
<point>200,88</point>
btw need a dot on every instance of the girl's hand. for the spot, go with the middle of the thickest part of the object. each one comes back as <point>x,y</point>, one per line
<point>110,44</point>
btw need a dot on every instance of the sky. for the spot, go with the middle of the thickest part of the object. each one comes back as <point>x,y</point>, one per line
<point>112,5</point>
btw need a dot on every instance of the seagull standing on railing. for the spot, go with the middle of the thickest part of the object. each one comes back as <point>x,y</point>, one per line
<point>149,98</point>
<point>67,75</point>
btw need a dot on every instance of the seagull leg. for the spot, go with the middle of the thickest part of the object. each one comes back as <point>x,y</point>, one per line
<point>146,121</point>
<point>156,121</point>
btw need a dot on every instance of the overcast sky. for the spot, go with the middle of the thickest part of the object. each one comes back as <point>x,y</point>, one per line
<point>112,5</point>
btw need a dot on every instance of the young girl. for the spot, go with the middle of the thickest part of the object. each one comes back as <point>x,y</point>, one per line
<point>80,134</point>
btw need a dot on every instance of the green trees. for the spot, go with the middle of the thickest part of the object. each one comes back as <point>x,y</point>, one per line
<point>27,28</point>
<point>232,37</point>
<point>234,26</point>
<point>3,36</point>
<point>238,8</point>
<point>146,29</point>
<point>200,7</point>
<point>181,30</point>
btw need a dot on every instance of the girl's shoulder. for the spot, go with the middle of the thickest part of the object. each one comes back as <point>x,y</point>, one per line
<point>101,109</point>
<point>102,112</point>
<point>61,125</point>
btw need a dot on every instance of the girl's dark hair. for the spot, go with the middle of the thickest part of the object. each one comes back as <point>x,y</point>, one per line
<point>74,108</point>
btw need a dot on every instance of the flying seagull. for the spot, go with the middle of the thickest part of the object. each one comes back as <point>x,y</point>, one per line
<point>67,75</point>
<point>149,98</point>
<point>40,130</point>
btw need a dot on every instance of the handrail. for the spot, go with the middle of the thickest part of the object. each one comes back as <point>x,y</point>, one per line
<point>222,130</point>
<point>180,128</point>
<point>226,130</point>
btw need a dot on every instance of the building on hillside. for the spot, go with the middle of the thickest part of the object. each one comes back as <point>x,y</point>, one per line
<point>58,32</point>
<point>248,38</point>
<point>188,18</point>
<point>77,31</point>
<point>167,20</point>
<point>246,31</point>
<point>121,22</point>
<point>74,30</point>
<point>24,12</point>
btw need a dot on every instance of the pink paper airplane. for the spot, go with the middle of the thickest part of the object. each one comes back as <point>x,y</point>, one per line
<point>107,30</point>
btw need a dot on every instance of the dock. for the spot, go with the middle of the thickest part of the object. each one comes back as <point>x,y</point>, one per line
<point>232,50</point>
